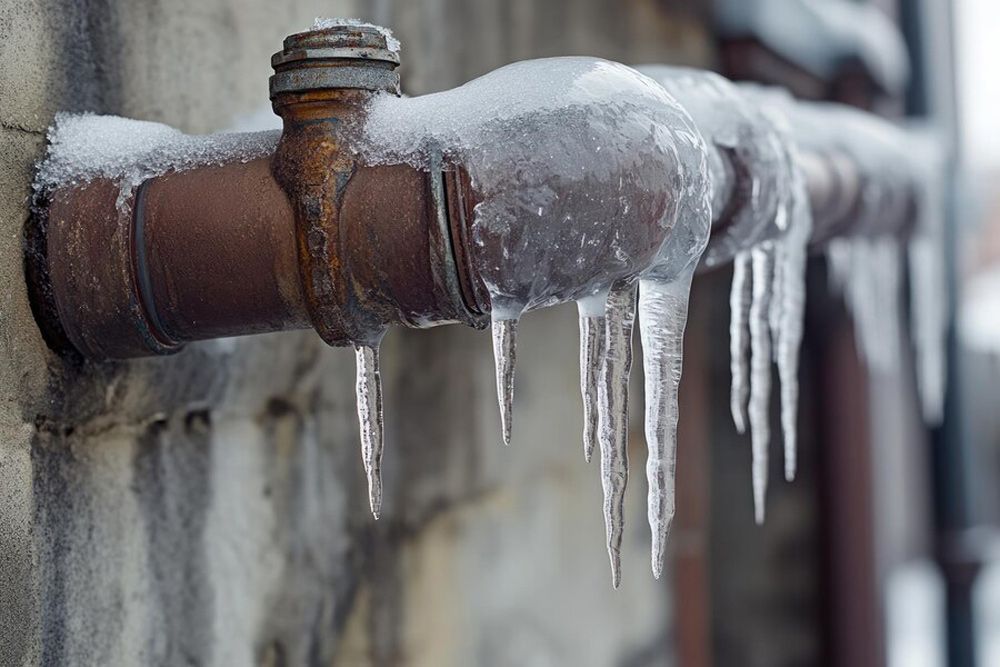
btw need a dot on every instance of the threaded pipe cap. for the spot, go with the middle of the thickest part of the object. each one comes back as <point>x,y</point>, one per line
<point>337,54</point>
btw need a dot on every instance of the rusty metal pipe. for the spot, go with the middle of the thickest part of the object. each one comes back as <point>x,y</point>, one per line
<point>305,237</point>
<point>308,236</point>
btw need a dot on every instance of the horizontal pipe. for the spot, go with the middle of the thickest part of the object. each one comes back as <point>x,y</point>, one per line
<point>309,236</point>
<point>211,252</point>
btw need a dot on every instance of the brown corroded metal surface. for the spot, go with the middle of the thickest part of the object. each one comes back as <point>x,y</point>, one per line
<point>218,245</point>
<point>94,284</point>
<point>374,242</point>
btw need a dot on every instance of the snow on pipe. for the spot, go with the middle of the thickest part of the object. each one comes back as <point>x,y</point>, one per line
<point>585,180</point>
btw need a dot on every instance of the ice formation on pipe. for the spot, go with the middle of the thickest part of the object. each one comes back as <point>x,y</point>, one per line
<point>790,294</point>
<point>788,300</point>
<point>588,175</point>
<point>369,403</point>
<point>737,132</point>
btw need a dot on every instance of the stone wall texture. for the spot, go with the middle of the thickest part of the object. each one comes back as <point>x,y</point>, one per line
<point>209,508</point>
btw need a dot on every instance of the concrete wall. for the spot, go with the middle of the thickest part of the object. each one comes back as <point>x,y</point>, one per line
<point>209,508</point>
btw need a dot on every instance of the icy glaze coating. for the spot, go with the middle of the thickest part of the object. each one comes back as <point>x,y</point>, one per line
<point>588,175</point>
<point>580,166</point>
<point>735,130</point>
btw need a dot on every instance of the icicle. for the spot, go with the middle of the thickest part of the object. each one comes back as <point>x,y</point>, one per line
<point>504,354</point>
<point>885,258</point>
<point>774,319</point>
<point>592,335</point>
<point>663,309</point>
<point>369,399</point>
<point>929,300</point>
<point>794,248</point>
<point>760,372</point>
<point>739,305</point>
<point>613,417</point>
<point>929,297</point>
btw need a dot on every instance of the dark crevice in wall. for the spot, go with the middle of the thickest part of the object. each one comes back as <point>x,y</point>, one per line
<point>51,460</point>
<point>17,127</point>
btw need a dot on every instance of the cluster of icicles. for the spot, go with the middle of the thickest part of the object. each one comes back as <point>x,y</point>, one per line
<point>599,184</point>
<point>527,218</point>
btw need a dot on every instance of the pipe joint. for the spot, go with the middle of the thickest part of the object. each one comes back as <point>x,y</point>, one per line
<point>308,236</point>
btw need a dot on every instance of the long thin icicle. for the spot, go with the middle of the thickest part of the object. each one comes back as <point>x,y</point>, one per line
<point>663,309</point>
<point>760,373</point>
<point>592,334</point>
<point>613,417</point>
<point>369,399</point>
<point>793,253</point>
<point>504,356</point>
<point>739,305</point>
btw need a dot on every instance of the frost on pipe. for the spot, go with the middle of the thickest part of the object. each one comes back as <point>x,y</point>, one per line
<point>83,147</point>
<point>588,175</point>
